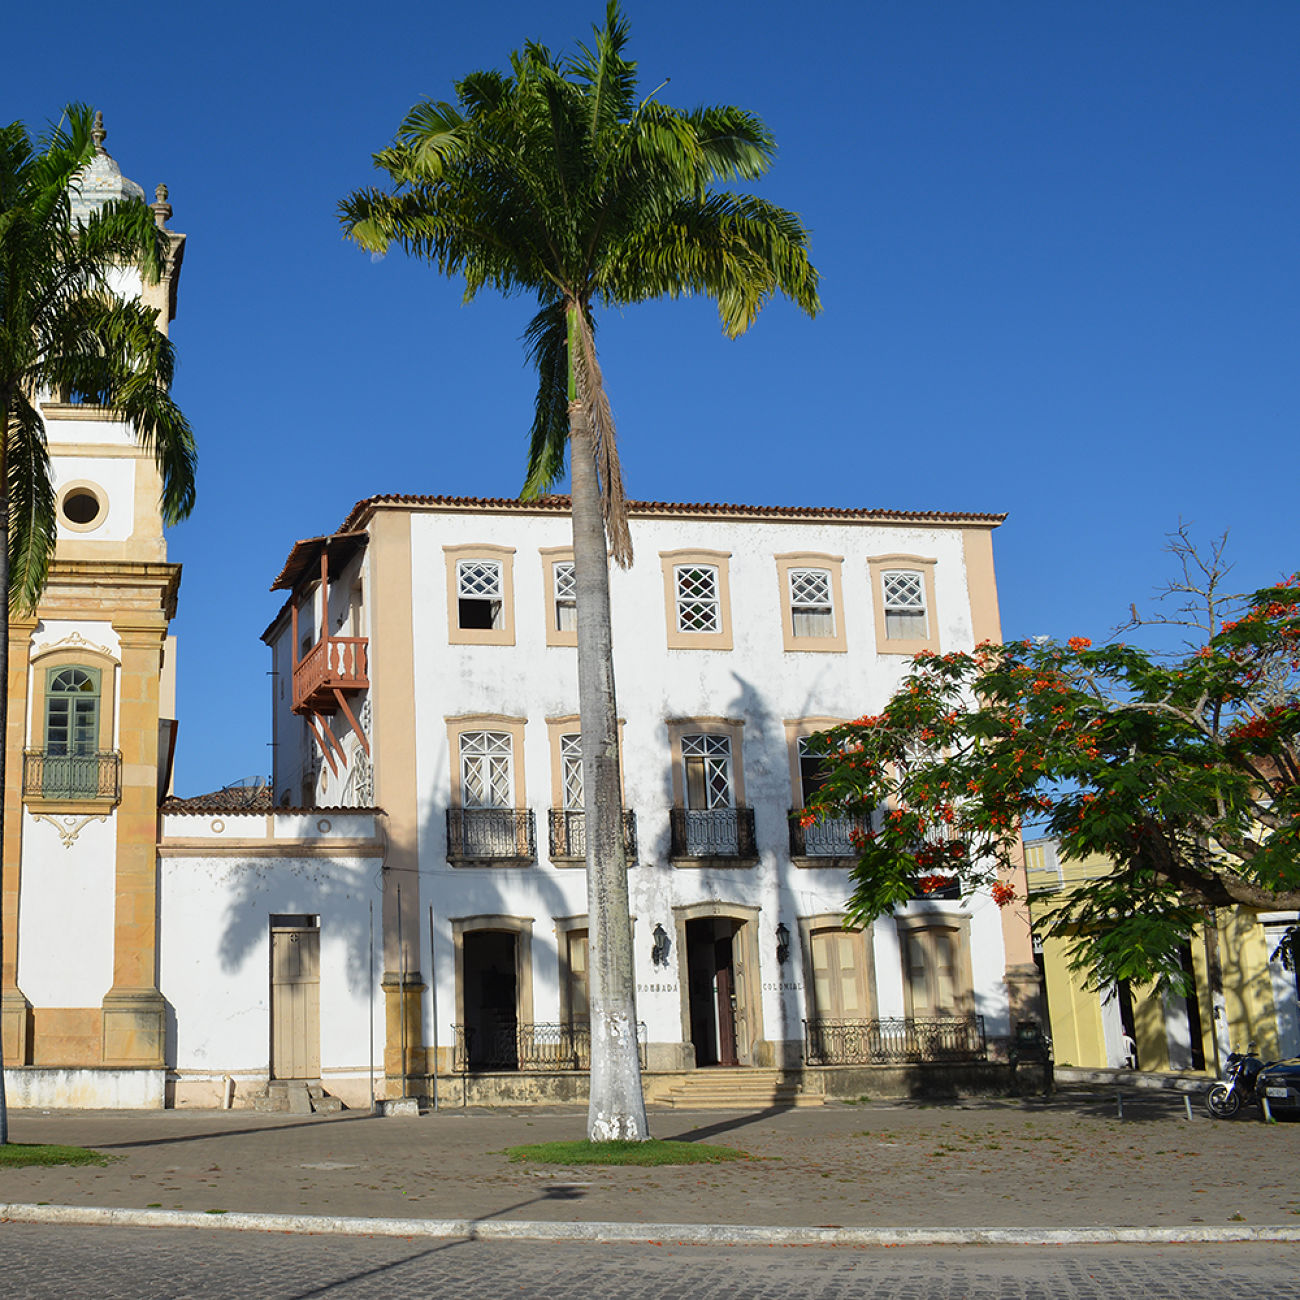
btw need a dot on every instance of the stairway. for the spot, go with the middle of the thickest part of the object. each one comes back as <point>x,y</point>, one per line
<point>725,1088</point>
<point>298,1097</point>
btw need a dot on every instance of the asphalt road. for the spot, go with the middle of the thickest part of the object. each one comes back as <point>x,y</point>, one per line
<point>141,1264</point>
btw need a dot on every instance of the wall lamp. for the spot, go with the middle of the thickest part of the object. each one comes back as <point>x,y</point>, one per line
<point>659,953</point>
<point>782,944</point>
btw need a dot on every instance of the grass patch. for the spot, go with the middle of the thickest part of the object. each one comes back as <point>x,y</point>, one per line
<point>653,1152</point>
<point>17,1155</point>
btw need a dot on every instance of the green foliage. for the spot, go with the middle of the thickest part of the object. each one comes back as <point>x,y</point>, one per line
<point>1185,774</point>
<point>555,180</point>
<point>651,1152</point>
<point>63,331</point>
<point>21,1155</point>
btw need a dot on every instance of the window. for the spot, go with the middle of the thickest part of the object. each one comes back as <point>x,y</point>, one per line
<point>709,819</point>
<point>903,599</point>
<point>81,506</point>
<point>571,771</point>
<point>566,597</point>
<point>936,969</point>
<point>478,587</point>
<point>811,602</point>
<point>71,768</point>
<point>486,777</point>
<point>480,604</point>
<point>698,599</point>
<point>829,840</point>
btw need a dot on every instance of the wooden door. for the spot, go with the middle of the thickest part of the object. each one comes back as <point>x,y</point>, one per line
<point>295,1004</point>
<point>725,984</point>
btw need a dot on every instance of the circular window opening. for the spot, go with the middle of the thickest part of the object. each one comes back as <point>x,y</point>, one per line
<point>81,506</point>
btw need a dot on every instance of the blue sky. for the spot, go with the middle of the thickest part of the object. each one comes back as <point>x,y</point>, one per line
<point>1057,241</point>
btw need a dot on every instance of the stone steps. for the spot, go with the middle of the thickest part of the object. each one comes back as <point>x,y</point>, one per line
<point>297,1097</point>
<point>724,1088</point>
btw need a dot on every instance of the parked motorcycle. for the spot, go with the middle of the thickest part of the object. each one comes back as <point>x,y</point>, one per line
<point>1225,1098</point>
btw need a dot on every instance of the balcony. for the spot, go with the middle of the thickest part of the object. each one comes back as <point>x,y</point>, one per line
<point>722,835</point>
<point>69,777</point>
<point>332,666</point>
<point>568,835</point>
<point>829,840</point>
<point>895,1041</point>
<point>533,1048</point>
<point>491,837</point>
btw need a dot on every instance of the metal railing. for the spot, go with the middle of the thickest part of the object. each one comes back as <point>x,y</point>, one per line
<point>894,1041</point>
<point>487,833</point>
<point>713,833</point>
<point>72,776</point>
<point>529,1047</point>
<point>568,837</point>
<point>831,837</point>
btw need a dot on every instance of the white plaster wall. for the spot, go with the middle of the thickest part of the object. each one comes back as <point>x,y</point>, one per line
<point>111,433</point>
<point>757,681</point>
<point>66,910</point>
<point>116,477</point>
<point>215,956</point>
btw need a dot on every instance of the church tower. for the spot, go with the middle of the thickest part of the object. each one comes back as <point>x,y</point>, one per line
<point>90,736</point>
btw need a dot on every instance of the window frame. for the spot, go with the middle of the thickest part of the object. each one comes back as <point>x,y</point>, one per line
<point>719,561</point>
<point>861,939</point>
<point>496,722</point>
<point>958,929</point>
<point>503,556</point>
<point>43,665</point>
<point>832,565</point>
<point>878,566</point>
<point>552,557</point>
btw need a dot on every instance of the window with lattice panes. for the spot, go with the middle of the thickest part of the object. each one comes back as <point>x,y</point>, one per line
<point>903,593</point>
<point>480,594</point>
<point>486,770</point>
<point>932,968</point>
<point>566,596</point>
<point>812,610</point>
<point>698,606</point>
<point>812,769</point>
<point>571,770</point>
<point>72,701</point>
<point>706,768</point>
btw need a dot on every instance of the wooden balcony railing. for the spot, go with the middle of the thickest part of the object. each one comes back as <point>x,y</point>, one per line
<point>336,663</point>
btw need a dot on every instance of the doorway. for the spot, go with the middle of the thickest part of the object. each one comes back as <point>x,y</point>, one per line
<point>491,991</point>
<point>714,989</point>
<point>295,997</point>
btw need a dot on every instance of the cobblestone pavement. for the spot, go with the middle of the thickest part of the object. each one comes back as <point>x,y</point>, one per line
<point>141,1264</point>
<point>1070,1162</point>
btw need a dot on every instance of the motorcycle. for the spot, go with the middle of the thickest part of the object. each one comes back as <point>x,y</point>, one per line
<point>1225,1098</point>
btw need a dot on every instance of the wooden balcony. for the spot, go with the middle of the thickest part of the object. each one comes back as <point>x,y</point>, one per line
<point>333,665</point>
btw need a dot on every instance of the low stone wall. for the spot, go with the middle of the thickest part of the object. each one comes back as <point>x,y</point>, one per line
<point>36,1087</point>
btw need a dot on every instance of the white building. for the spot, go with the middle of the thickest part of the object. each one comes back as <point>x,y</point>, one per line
<point>425,663</point>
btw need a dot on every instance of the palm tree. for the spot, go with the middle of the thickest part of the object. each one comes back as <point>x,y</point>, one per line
<point>64,331</point>
<point>555,181</point>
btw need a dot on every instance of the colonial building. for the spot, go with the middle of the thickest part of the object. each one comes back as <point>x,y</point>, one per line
<point>425,664</point>
<point>1252,996</point>
<point>89,750</point>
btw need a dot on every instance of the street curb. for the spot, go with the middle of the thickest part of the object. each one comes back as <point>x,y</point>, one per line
<point>656,1234</point>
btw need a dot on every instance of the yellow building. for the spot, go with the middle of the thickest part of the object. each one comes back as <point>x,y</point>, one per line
<point>1255,1001</point>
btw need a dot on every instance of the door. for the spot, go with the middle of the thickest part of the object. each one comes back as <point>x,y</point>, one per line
<point>713,983</point>
<point>295,1003</point>
<point>491,1000</point>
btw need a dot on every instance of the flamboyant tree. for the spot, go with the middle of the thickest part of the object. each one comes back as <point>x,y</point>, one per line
<point>63,330</point>
<point>556,181</point>
<point>1183,770</point>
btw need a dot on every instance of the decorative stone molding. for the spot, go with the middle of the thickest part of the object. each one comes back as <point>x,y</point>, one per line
<point>69,827</point>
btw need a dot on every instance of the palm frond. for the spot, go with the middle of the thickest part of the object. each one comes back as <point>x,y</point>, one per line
<point>31,506</point>
<point>547,350</point>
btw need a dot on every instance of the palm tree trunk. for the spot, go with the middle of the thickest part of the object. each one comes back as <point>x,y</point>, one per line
<point>617,1106</point>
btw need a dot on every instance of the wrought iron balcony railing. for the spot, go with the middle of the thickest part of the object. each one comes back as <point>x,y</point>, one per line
<point>895,1041</point>
<point>713,833</point>
<point>569,834</point>
<point>831,837</point>
<point>530,1047</point>
<point>72,776</point>
<point>491,834</point>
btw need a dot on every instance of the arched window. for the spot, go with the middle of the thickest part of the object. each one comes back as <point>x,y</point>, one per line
<point>72,704</point>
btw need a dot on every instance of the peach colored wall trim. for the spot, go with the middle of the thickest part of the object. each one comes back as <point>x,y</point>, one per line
<point>20,634</point>
<point>836,643</point>
<point>513,727</point>
<point>522,928</point>
<point>677,639</point>
<point>569,724</point>
<point>749,1001</point>
<point>503,635</point>
<point>796,729</point>
<point>551,556</point>
<point>981,585</point>
<point>66,1036</point>
<point>881,564</point>
<point>734,728</point>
